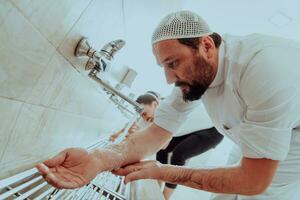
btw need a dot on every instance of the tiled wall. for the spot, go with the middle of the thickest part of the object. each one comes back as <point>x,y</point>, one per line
<point>47,102</point>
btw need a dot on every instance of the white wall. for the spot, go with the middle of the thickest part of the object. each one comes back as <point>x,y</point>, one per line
<point>273,17</point>
<point>142,17</point>
<point>47,102</point>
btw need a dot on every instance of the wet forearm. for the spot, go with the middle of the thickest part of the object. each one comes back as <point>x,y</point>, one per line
<point>223,180</point>
<point>133,149</point>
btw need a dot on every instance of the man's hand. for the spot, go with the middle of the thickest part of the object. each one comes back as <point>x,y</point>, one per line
<point>150,169</point>
<point>75,167</point>
<point>113,137</point>
<point>72,168</point>
<point>252,177</point>
<point>134,127</point>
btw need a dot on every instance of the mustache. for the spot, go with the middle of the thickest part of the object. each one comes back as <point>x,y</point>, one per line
<point>181,83</point>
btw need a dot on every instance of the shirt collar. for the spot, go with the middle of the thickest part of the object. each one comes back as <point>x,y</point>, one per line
<point>219,78</point>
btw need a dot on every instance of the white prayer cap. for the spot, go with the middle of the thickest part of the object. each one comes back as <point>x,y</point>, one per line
<point>181,24</point>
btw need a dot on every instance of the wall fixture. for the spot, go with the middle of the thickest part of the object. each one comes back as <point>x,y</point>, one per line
<point>98,62</point>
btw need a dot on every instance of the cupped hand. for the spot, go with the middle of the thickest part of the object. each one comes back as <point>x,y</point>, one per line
<point>113,137</point>
<point>72,168</point>
<point>134,127</point>
<point>150,169</point>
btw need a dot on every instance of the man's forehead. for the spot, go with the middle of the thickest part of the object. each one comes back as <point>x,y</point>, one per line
<point>165,50</point>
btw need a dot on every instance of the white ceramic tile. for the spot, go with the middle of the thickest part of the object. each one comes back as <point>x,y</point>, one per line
<point>5,7</point>
<point>101,22</point>
<point>52,18</point>
<point>39,132</point>
<point>9,110</point>
<point>24,54</point>
<point>63,88</point>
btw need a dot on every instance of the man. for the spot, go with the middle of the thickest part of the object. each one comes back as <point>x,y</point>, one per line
<point>191,140</point>
<point>250,88</point>
<point>149,101</point>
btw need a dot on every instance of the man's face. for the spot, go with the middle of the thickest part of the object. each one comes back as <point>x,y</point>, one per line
<point>185,67</point>
<point>148,113</point>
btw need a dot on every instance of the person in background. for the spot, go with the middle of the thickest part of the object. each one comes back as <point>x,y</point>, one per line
<point>187,143</point>
<point>149,101</point>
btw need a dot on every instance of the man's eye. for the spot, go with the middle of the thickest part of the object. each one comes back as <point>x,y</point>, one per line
<point>172,65</point>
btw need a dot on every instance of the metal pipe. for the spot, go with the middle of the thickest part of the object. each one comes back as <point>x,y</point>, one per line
<point>18,177</point>
<point>32,191</point>
<point>94,193</point>
<point>93,75</point>
<point>122,186</point>
<point>44,194</point>
<point>79,192</point>
<point>21,187</point>
<point>85,190</point>
<point>56,195</point>
<point>69,196</point>
<point>17,194</point>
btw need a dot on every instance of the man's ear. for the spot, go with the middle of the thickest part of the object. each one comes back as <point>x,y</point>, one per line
<point>155,103</point>
<point>206,46</point>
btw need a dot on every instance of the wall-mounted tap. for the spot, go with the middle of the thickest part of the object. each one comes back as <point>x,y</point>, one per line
<point>98,61</point>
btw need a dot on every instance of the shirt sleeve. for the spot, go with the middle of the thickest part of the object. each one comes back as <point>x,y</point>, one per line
<point>173,111</point>
<point>270,89</point>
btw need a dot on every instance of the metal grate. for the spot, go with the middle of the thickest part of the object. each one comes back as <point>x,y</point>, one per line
<point>31,185</point>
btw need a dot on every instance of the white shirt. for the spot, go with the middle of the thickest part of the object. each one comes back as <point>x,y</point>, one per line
<point>254,100</point>
<point>142,124</point>
<point>190,125</point>
<point>197,120</point>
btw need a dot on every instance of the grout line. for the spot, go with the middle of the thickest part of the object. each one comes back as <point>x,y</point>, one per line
<point>124,19</point>
<point>74,24</point>
<point>11,131</point>
<point>54,109</point>
<point>39,76</point>
<point>67,34</point>
<point>32,25</point>
<point>42,34</point>
<point>7,13</point>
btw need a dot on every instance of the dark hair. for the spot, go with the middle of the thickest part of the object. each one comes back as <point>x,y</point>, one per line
<point>194,42</point>
<point>148,98</point>
<point>153,93</point>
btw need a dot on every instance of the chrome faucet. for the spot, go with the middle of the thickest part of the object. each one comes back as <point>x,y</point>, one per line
<point>98,61</point>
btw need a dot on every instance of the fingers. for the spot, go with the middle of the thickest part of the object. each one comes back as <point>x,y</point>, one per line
<point>47,170</point>
<point>48,175</point>
<point>55,179</point>
<point>56,160</point>
<point>133,128</point>
<point>52,180</point>
<point>60,182</point>
<point>43,169</point>
<point>135,176</point>
<point>128,169</point>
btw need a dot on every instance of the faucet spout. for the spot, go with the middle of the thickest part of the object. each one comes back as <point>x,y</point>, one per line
<point>98,61</point>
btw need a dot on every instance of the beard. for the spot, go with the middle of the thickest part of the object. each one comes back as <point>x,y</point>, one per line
<point>195,92</point>
<point>202,75</point>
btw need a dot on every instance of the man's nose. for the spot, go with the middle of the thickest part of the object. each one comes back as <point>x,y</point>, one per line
<point>170,75</point>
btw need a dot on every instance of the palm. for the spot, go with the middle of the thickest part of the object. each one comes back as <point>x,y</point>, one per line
<point>72,168</point>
